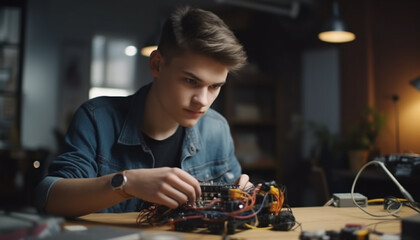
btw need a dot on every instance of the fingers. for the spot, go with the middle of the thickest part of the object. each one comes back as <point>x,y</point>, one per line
<point>170,196</point>
<point>166,186</point>
<point>247,186</point>
<point>186,184</point>
<point>171,187</point>
<point>244,182</point>
<point>243,179</point>
<point>190,180</point>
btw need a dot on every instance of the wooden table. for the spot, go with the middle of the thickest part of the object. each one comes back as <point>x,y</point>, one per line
<point>310,219</point>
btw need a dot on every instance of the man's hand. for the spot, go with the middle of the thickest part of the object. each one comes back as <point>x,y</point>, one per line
<point>243,182</point>
<point>171,187</point>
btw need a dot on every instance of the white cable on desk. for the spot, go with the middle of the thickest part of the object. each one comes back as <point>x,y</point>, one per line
<point>400,187</point>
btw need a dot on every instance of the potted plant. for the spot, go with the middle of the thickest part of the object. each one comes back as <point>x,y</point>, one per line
<point>361,141</point>
<point>327,148</point>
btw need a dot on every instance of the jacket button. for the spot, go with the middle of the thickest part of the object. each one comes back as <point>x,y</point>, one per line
<point>192,149</point>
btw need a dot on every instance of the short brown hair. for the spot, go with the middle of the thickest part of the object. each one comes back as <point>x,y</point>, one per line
<point>201,32</point>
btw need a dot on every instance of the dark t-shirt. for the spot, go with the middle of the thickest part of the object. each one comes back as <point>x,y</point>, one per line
<point>167,152</point>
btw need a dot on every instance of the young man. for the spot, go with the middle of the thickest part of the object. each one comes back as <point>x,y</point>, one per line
<point>158,144</point>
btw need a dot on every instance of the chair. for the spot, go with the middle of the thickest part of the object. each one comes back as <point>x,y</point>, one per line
<point>318,182</point>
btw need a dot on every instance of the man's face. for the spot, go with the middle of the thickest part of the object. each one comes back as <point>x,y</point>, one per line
<point>187,86</point>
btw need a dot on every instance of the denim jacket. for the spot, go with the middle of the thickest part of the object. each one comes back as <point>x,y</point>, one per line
<point>104,137</point>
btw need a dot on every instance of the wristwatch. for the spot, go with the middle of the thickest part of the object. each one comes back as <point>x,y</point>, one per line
<point>117,184</point>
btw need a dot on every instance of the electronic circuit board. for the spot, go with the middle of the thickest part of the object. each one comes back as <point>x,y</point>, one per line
<point>226,208</point>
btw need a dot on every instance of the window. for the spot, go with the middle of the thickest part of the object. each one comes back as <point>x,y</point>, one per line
<point>113,67</point>
<point>10,55</point>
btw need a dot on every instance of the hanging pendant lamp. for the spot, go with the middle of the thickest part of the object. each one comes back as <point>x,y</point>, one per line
<point>335,29</point>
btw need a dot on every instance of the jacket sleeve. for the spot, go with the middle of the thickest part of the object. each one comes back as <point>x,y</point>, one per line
<point>234,166</point>
<point>77,161</point>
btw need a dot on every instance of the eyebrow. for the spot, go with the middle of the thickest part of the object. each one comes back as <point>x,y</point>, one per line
<point>192,75</point>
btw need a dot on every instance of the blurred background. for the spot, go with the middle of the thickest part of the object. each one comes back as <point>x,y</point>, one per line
<point>299,112</point>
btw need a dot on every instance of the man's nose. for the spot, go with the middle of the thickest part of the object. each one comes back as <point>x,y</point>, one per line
<point>200,97</point>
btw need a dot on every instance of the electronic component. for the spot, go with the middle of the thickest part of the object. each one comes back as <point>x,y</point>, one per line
<point>407,164</point>
<point>345,200</point>
<point>349,232</point>
<point>354,233</point>
<point>319,235</point>
<point>393,203</point>
<point>410,228</point>
<point>225,208</point>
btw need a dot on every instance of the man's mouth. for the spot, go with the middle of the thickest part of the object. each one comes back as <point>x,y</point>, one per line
<point>194,113</point>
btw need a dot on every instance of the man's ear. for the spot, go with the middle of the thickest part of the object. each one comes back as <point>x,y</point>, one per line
<point>155,62</point>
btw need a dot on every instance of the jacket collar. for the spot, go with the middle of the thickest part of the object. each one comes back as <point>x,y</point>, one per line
<point>130,133</point>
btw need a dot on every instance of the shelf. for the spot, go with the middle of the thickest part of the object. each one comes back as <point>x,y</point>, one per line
<point>252,122</point>
<point>11,55</point>
<point>262,164</point>
<point>251,108</point>
<point>8,93</point>
<point>9,45</point>
<point>254,83</point>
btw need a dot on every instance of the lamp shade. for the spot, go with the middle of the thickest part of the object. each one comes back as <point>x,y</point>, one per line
<point>151,43</point>
<point>416,83</point>
<point>147,50</point>
<point>335,29</point>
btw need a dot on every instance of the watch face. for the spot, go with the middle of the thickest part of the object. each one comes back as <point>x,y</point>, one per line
<point>117,180</point>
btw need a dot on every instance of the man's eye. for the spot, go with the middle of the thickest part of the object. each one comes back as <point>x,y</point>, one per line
<point>216,86</point>
<point>191,81</point>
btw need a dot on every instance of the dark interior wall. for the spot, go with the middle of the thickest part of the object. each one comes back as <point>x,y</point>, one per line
<point>381,63</point>
<point>396,63</point>
<point>354,63</point>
